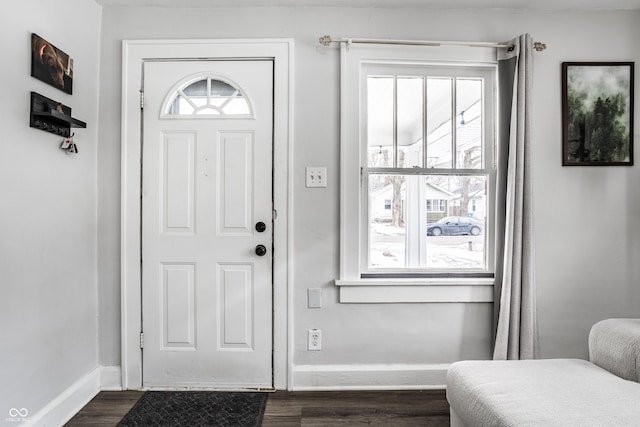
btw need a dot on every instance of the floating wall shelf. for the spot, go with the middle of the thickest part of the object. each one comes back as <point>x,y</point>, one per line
<point>51,116</point>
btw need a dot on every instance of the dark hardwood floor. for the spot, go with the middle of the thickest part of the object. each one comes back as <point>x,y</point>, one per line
<point>357,408</point>
<point>106,409</point>
<point>308,409</point>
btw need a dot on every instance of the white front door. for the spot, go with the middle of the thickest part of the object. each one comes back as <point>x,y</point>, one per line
<point>207,227</point>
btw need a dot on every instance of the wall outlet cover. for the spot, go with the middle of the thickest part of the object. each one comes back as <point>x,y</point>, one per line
<point>315,340</point>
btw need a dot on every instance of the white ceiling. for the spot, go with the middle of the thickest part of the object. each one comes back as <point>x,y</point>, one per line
<point>427,4</point>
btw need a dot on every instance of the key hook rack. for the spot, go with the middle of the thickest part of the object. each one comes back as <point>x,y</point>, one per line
<point>51,116</point>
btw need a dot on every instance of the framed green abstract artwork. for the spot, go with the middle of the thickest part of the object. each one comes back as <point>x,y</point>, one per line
<point>597,113</point>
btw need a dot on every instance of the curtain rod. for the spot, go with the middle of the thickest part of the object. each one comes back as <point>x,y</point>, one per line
<point>327,40</point>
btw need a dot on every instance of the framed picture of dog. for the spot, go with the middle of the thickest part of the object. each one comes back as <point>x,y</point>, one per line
<point>51,65</point>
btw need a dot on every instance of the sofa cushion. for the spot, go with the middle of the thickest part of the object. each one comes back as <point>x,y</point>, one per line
<point>552,392</point>
<point>614,344</point>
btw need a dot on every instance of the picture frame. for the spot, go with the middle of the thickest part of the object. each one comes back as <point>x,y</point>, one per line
<point>597,113</point>
<point>51,65</point>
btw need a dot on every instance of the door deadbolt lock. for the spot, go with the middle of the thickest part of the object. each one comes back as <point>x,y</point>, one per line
<point>261,250</point>
<point>260,227</point>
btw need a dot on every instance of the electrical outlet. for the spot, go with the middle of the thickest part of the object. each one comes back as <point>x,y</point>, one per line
<point>315,340</point>
<point>316,176</point>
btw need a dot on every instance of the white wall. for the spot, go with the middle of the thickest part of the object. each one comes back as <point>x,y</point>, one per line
<point>588,238</point>
<point>48,234</point>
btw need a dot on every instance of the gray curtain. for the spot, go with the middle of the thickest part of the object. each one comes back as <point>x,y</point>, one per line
<point>516,332</point>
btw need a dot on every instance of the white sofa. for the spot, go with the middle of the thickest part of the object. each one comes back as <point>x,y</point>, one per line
<point>554,392</point>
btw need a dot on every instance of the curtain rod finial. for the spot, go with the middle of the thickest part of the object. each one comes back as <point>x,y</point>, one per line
<point>325,40</point>
<point>539,46</point>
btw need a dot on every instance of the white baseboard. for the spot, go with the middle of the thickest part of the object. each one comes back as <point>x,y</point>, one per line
<point>110,378</point>
<point>69,402</point>
<point>369,377</point>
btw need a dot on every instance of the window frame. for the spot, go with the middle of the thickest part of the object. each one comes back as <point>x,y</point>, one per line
<point>353,157</point>
<point>487,169</point>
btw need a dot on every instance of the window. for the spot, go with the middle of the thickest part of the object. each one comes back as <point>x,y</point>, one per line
<point>425,127</point>
<point>420,132</point>
<point>434,205</point>
<point>206,97</point>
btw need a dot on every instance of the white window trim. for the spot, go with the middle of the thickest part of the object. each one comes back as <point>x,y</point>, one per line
<point>352,287</point>
<point>416,290</point>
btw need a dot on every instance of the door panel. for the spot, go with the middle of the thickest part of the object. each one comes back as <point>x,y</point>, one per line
<point>207,179</point>
<point>178,180</point>
<point>235,175</point>
<point>178,306</point>
<point>235,287</point>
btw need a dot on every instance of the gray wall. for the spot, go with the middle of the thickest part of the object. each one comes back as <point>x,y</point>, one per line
<point>48,218</point>
<point>587,236</point>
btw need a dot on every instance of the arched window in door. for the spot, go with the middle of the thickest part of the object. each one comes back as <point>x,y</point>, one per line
<point>206,96</point>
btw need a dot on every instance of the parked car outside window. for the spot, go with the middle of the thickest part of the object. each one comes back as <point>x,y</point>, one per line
<point>455,225</point>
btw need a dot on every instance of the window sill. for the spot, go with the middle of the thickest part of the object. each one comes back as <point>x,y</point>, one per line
<point>416,290</point>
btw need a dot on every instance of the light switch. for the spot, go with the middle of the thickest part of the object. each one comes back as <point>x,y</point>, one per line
<point>314,296</point>
<point>316,176</point>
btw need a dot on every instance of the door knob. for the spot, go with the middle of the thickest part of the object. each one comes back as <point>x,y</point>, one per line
<point>261,250</point>
<point>260,227</point>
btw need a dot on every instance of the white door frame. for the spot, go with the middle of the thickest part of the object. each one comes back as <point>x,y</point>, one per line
<point>134,52</point>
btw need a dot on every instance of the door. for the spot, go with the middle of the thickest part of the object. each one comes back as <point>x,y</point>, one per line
<point>451,226</point>
<point>207,231</point>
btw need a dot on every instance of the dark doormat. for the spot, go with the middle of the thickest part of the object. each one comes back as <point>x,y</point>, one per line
<point>197,409</point>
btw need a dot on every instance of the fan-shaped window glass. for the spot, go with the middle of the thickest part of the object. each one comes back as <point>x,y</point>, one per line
<point>207,96</point>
